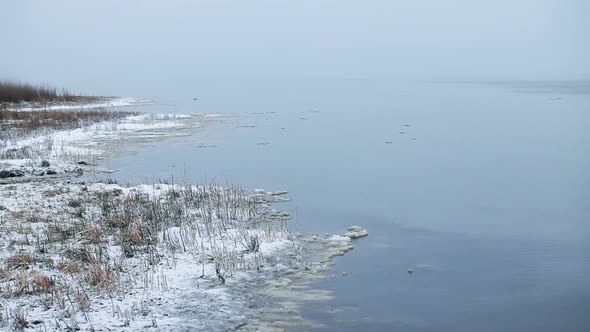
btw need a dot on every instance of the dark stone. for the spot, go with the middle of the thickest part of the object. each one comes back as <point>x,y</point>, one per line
<point>44,163</point>
<point>82,162</point>
<point>11,173</point>
<point>51,172</point>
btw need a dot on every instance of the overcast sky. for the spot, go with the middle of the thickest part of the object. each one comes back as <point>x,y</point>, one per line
<point>62,41</point>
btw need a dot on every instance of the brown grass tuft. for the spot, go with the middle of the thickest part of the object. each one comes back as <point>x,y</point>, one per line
<point>94,235</point>
<point>33,283</point>
<point>101,276</point>
<point>70,267</point>
<point>19,261</point>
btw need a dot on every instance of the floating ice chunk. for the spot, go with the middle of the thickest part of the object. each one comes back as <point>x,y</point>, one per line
<point>355,232</point>
<point>277,193</point>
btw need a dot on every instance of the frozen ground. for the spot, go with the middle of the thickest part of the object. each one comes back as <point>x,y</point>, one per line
<point>161,257</point>
<point>106,257</point>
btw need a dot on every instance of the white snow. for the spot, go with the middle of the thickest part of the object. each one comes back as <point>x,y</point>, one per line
<point>99,103</point>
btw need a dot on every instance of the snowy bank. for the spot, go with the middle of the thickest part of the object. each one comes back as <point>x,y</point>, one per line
<point>68,152</point>
<point>91,103</point>
<point>161,257</point>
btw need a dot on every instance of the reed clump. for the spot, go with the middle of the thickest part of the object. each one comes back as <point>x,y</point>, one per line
<point>14,92</point>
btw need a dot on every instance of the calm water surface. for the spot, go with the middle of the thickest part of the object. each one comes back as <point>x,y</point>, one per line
<point>486,193</point>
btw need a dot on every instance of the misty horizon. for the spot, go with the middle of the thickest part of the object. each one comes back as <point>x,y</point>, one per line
<point>66,43</point>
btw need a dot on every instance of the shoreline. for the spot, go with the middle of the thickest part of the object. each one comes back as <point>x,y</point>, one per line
<point>72,151</point>
<point>88,103</point>
<point>245,262</point>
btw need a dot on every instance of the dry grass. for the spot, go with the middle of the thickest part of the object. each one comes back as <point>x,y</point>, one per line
<point>70,267</point>
<point>94,234</point>
<point>101,275</point>
<point>12,92</point>
<point>19,261</point>
<point>33,283</point>
<point>127,241</point>
<point>27,122</point>
<point>41,284</point>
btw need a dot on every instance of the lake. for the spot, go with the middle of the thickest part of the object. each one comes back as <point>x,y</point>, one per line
<point>481,188</point>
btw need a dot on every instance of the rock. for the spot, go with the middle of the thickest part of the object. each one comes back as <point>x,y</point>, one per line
<point>51,172</point>
<point>44,163</point>
<point>11,173</point>
<point>354,232</point>
<point>3,208</point>
<point>38,172</point>
<point>82,162</point>
<point>73,169</point>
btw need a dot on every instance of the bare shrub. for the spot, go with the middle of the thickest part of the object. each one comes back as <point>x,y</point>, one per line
<point>20,320</point>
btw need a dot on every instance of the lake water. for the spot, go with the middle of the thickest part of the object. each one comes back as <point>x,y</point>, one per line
<point>483,190</point>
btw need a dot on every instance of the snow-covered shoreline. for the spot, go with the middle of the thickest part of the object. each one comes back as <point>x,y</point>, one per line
<point>171,257</point>
<point>86,270</point>
<point>91,103</point>
<point>72,151</point>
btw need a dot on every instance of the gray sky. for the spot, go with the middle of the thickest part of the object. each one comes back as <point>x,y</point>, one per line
<point>61,41</point>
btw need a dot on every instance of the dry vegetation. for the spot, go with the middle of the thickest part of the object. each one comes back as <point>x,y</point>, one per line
<point>115,240</point>
<point>18,123</point>
<point>12,92</point>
